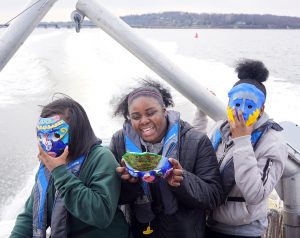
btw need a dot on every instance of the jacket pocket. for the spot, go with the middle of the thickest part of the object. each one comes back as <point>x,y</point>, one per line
<point>233,213</point>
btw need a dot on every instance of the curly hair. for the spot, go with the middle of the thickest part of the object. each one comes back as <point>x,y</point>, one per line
<point>253,72</point>
<point>121,109</point>
<point>251,69</point>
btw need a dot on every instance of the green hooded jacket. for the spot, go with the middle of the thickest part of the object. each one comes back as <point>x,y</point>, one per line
<point>90,199</point>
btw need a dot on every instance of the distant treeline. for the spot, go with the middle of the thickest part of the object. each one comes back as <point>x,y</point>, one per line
<point>194,20</point>
<point>205,20</point>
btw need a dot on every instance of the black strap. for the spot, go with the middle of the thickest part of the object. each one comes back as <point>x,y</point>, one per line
<point>266,171</point>
<point>235,199</point>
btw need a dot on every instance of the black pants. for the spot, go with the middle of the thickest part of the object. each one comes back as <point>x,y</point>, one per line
<point>213,234</point>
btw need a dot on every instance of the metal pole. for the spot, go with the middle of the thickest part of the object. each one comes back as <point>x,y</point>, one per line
<point>18,31</point>
<point>154,59</point>
<point>288,186</point>
<point>291,196</point>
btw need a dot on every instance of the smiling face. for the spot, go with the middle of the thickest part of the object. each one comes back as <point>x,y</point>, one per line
<point>148,118</point>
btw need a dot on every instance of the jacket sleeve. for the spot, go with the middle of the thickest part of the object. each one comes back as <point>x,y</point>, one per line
<point>95,203</point>
<point>129,191</point>
<point>23,225</point>
<point>201,187</point>
<point>257,174</point>
<point>200,120</point>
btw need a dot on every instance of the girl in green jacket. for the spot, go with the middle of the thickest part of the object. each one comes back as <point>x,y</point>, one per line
<point>77,189</point>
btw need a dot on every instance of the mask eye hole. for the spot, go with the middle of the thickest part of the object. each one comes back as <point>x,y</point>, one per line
<point>237,105</point>
<point>250,107</point>
<point>56,135</point>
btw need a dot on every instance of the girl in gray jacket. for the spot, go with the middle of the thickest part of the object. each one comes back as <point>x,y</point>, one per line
<point>251,155</point>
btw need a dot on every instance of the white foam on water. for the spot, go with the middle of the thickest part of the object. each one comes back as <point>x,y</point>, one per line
<point>17,203</point>
<point>27,75</point>
<point>6,227</point>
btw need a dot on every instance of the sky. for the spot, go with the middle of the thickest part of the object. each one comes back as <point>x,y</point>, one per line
<point>63,8</point>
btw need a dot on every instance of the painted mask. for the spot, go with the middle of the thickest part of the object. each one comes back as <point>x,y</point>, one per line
<point>148,166</point>
<point>53,134</point>
<point>247,98</point>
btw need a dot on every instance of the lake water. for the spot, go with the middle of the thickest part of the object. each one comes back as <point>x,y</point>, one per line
<point>92,68</point>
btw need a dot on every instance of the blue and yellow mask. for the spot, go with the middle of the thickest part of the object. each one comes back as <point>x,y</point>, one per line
<point>247,98</point>
<point>53,134</point>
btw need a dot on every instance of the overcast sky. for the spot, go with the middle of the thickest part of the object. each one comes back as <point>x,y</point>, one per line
<point>63,8</point>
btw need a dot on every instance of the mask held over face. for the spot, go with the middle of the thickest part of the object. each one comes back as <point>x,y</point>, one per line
<point>247,98</point>
<point>53,134</point>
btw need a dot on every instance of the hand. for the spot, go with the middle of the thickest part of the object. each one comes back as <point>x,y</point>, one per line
<point>123,172</point>
<point>238,128</point>
<point>51,162</point>
<point>176,175</point>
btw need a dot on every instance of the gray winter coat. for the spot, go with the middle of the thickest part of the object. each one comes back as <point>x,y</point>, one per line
<point>256,174</point>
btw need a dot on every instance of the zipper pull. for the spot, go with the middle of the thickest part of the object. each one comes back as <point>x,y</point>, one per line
<point>148,231</point>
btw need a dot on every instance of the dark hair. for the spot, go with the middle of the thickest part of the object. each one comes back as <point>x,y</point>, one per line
<point>81,134</point>
<point>122,106</point>
<point>252,72</point>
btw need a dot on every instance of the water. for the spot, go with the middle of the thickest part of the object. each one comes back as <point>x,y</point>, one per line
<point>92,68</point>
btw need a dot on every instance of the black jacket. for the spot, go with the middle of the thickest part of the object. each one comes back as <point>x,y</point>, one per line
<point>200,190</point>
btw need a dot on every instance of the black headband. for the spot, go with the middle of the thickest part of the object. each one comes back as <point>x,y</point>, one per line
<point>145,91</point>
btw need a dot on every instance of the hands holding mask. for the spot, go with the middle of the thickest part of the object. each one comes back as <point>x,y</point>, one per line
<point>174,177</point>
<point>50,161</point>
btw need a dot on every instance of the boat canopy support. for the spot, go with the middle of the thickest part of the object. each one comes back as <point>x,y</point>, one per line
<point>153,58</point>
<point>18,31</point>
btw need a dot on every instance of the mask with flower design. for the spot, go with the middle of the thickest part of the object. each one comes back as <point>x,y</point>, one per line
<point>53,134</point>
